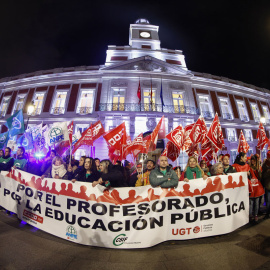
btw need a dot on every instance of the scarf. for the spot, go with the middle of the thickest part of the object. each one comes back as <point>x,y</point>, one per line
<point>60,170</point>
<point>190,173</point>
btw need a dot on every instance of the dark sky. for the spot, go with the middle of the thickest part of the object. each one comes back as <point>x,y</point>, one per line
<point>224,38</point>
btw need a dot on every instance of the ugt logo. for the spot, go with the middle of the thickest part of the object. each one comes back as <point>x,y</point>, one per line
<point>71,233</point>
<point>116,138</point>
<point>16,123</point>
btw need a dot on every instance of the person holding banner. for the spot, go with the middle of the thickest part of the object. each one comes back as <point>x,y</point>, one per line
<point>163,176</point>
<point>72,174</point>
<point>88,173</point>
<point>217,169</point>
<point>192,171</point>
<point>6,161</point>
<point>111,175</point>
<point>255,187</point>
<point>143,179</point>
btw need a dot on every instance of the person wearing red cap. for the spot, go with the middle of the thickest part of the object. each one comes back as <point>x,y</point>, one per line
<point>266,183</point>
<point>226,164</point>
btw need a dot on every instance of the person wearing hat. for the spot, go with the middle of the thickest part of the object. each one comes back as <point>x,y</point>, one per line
<point>226,164</point>
<point>266,183</point>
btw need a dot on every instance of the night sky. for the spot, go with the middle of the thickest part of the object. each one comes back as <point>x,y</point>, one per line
<point>224,38</point>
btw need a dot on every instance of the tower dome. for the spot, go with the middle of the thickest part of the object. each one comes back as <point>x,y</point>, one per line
<point>142,21</point>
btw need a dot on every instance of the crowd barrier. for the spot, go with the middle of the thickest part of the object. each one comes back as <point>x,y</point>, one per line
<point>127,217</point>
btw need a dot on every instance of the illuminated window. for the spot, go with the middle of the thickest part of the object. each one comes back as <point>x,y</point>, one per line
<point>266,114</point>
<point>248,135</point>
<point>149,102</point>
<point>206,107</point>
<point>4,106</point>
<point>242,111</point>
<point>85,105</point>
<point>119,99</point>
<point>233,156</point>
<point>178,102</point>
<point>231,134</point>
<point>255,111</point>
<point>226,109</point>
<point>19,103</point>
<point>59,103</point>
<point>38,102</point>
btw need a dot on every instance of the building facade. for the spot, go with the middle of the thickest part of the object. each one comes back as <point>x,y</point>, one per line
<point>108,93</point>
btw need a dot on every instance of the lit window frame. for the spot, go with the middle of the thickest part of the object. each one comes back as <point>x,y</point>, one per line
<point>206,114</point>
<point>53,107</point>
<point>229,115</point>
<point>86,111</point>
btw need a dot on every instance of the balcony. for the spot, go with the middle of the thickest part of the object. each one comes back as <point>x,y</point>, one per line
<point>84,110</point>
<point>232,139</point>
<point>257,119</point>
<point>36,111</point>
<point>244,118</point>
<point>208,115</point>
<point>133,107</point>
<point>58,110</point>
<point>227,116</point>
<point>249,139</point>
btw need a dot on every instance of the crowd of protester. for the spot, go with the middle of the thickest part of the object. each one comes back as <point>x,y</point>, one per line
<point>161,175</point>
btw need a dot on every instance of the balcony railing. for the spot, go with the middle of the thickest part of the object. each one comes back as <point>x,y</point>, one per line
<point>58,110</point>
<point>257,119</point>
<point>244,118</point>
<point>36,111</point>
<point>267,121</point>
<point>232,139</point>
<point>84,110</point>
<point>133,107</point>
<point>227,116</point>
<point>248,139</point>
<point>208,115</point>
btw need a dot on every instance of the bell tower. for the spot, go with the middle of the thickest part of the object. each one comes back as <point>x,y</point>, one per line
<point>143,35</point>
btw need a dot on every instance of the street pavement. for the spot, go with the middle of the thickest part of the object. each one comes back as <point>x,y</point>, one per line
<point>25,247</point>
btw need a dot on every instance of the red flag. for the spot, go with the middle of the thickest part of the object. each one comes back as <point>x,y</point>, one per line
<point>187,141</point>
<point>162,131</point>
<point>139,93</point>
<point>70,131</point>
<point>154,135</point>
<point>176,136</point>
<point>215,133</point>
<point>116,138</point>
<point>171,151</point>
<point>90,135</point>
<point>135,147</point>
<point>198,131</point>
<point>62,147</point>
<point>146,144</point>
<point>261,136</point>
<point>243,145</point>
<point>193,150</point>
<point>97,130</point>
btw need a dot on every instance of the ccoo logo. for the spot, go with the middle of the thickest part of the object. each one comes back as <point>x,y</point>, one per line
<point>120,239</point>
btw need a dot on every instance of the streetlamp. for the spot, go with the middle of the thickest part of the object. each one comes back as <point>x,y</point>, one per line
<point>263,120</point>
<point>30,110</point>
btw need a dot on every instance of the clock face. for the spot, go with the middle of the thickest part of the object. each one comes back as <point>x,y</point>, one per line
<point>145,34</point>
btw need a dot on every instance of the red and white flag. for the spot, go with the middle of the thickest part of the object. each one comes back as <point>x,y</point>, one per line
<point>70,131</point>
<point>176,136</point>
<point>261,136</point>
<point>215,133</point>
<point>90,135</point>
<point>187,141</point>
<point>243,145</point>
<point>198,131</point>
<point>135,147</point>
<point>116,139</point>
<point>171,151</point>
<point>155,135</point>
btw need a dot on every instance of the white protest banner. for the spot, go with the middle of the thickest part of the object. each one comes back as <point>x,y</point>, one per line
<point>127,217</point>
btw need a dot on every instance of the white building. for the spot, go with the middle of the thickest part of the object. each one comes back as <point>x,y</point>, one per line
<point>108,92</point>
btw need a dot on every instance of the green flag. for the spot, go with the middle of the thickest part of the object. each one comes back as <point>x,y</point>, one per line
<point>15,123</point>
<point>3,139</point>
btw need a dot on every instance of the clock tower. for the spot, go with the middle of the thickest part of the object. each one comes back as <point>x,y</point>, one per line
<point>143,35</point>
